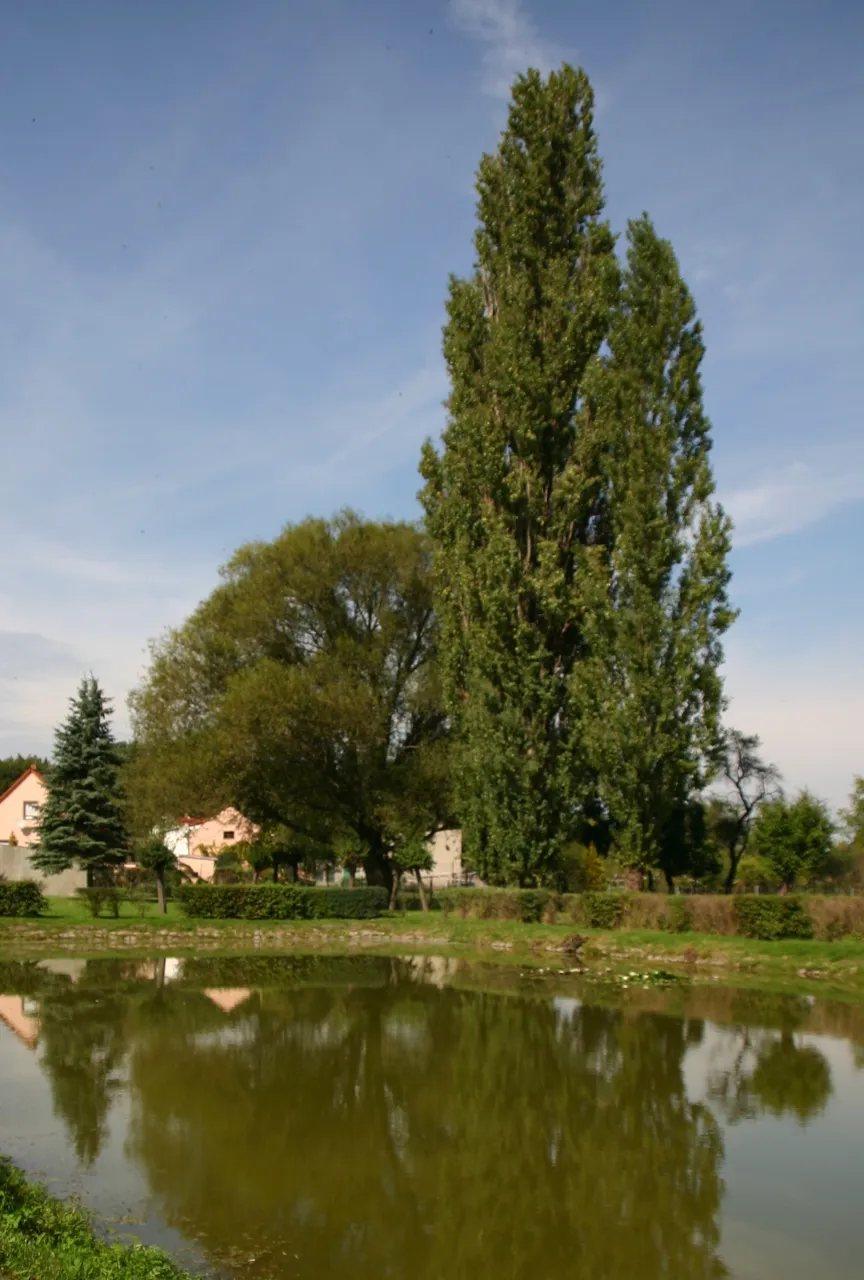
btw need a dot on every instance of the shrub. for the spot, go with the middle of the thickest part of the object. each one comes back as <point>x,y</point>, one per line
<point>677,918</point>
<point>836,917</point>
<point>772,917</point>
<point>713,913</point>
<point>99,897</point>
<point>21,898</point>
<point>604,910</point>
<point>279,902</point>
<point>532,904</point>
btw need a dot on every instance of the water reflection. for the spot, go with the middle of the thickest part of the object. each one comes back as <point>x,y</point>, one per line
<point>367,1118</point>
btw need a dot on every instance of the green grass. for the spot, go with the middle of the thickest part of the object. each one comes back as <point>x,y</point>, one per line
<point>43,1239</point>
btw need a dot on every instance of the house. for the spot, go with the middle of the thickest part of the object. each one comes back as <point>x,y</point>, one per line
<point>446,849</point>
<point>19,809</point>
<point>196,842</point>
<point>19,832</point>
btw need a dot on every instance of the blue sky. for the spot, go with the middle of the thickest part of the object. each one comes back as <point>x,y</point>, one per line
<point>225,236</point>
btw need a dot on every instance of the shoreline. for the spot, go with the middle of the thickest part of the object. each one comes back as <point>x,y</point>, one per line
<point>835,968</point>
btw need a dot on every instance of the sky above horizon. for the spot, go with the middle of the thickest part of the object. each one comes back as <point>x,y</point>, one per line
<point>225,237</point>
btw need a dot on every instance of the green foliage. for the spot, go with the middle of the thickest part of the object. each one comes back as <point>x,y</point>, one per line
<point>511,502</point>
<point>101,898</point>
<point>43,1239</point>
<point>852,818</point>
<point>649,687</point>
<point>794,838</point>
<point>11,768</point>
<point>82,822</point>
<point>532,903</point>
<point>279,902</point>
<point>678,915</point>
<point>154,855</point>
<point>770,917</point>
<point>604,910</point>
<point>21,898</point>
<point>304,690</point>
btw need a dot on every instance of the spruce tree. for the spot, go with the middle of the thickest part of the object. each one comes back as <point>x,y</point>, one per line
<point>649,691</point>
<point>81,823</point>
<point>511,501</point>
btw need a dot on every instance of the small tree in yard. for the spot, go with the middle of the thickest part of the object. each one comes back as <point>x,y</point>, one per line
<point>750,782</point>
<point>82,819</point>
<point>794,838</point>
<point>154,855</point>
<point>410,853</point>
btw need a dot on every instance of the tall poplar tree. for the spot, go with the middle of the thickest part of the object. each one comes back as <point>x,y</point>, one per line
<point>81,823</point>
<point>649,691</point>
<point>511,502</point>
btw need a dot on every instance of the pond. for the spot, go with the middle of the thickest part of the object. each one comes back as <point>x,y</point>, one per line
<point>426,1117</point>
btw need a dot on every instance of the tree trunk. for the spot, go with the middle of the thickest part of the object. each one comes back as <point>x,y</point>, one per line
<point>784,889</point>
<point>160,973</point>
<point>394,889</point>
<point>352,874</point>
<point>423,903</point>
<point>160,891</point>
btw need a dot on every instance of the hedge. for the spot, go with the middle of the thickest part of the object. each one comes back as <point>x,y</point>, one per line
<point>279,902</point>
<point>21,898</point>
<point>749,915</point>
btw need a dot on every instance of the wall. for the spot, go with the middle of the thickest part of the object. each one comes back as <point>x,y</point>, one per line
<point>446,849</point>
<point>30,791</point>
<point>15,865</point>
<point>210,834</point>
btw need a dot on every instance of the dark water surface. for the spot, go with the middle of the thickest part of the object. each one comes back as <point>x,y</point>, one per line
<point>424,1118</point>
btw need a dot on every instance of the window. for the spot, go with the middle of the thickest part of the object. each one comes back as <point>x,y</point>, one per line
<point>31,809</point>
<point>227,835</point>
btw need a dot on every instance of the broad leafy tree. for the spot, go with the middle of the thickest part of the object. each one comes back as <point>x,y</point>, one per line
<point>82,822</point>
<point>304,690</point>
<point>511,500</point>
<point>795,838</point>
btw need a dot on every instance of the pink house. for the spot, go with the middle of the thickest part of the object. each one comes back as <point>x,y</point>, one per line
<point>19,809</point>
<point>197,841</point>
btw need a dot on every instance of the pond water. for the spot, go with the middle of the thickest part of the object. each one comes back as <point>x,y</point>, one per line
<point>424,1117</point>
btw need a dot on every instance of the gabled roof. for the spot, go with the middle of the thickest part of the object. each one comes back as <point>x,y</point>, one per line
<point>18,781</point>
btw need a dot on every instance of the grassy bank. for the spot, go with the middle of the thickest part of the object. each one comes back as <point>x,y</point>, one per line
<point>67,930</point>
<point>43,1239</point>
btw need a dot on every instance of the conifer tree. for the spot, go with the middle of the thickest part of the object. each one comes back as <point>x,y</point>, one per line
<point>511,502</point>
<point>81,823</point>
<point>649,691</point>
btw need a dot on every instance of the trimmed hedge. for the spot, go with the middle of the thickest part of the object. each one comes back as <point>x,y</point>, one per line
<point>772,917</point>
<point>279,902</point>
<point>604,910</point>
<point>21,898</point>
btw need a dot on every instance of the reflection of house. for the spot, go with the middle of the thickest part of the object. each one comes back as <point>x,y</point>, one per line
<point>19,831</point>
<point>227,998</point>
<point>197,841</point>
<point>21,1015</point>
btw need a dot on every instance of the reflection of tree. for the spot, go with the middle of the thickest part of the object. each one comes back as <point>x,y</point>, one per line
<point>394,1129</point>
<point>770,1072</point>
<point>83,1042</point>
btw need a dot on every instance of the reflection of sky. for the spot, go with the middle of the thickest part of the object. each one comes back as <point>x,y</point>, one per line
<point>790,1186</point>
<point>114,1187</point>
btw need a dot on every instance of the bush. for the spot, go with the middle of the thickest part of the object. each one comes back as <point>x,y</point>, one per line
<point>772,917</point>
<point>677,918</point>
<point>99,897</point>
<point>279,902</point>
<point>836,917</point>
<point>21,898</point>
<point>532,904</point>
<point>604,910</point>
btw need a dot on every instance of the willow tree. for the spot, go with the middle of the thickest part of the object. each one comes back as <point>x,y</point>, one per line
<point>649,691</point>
<point>303,691</point>
<point>512,500</point>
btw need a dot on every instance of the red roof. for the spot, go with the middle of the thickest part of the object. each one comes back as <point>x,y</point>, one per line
<point>18,781</point>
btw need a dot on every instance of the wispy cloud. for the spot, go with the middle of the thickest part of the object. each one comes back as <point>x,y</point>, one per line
<point>796,496</point>
<point>509,38</point>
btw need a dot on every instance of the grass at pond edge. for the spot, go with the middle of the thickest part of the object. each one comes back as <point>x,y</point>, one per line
<point>817,965</point>
<point>44,1239</point>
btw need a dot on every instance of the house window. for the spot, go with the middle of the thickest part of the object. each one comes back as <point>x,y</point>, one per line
<point>227,835</point>
<point>31,810</point>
